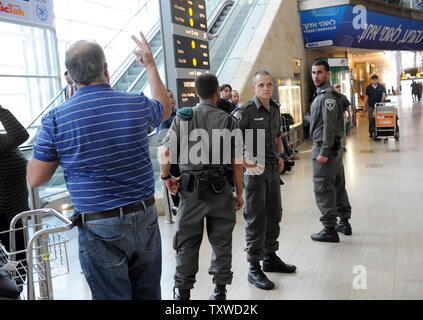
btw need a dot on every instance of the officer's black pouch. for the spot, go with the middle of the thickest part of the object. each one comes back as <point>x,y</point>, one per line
<point>218,184</point>
<point>202,184</point>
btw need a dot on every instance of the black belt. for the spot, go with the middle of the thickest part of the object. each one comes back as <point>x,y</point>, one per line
<point>130,208</point>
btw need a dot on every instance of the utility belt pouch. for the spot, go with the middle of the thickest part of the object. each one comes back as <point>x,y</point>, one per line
<point>218,184</point>
<point>202,185</point>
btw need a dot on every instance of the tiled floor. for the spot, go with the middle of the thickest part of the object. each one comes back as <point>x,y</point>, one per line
<point>383,259</point>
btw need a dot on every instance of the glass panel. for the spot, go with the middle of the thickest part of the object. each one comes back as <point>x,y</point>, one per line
<point>228,49</point>
<point>28,79</point>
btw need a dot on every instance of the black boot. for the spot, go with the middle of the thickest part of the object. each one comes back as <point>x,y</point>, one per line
<point>326,235</point>
<point>257,277</point>
<point>181,294</point>
<point>272,263</point>
<point>219,293</point>
<point>344,227</point>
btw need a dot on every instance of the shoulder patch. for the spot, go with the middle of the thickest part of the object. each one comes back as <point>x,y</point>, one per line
<point>185,113</point>
<point>330,104</point>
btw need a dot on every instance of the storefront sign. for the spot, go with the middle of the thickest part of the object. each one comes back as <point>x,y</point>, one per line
<point>335,26</point>
<point>32,12</point>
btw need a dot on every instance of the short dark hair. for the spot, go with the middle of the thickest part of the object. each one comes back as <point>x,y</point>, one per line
<point>66,73</point>
<point>321,62</point>
<point>373,77</point>
<point>260,73</point>
<point>206,85</point>
<point>224,86</point>
<point>85,62</point>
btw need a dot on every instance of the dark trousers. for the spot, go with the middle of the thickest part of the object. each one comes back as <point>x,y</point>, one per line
<point>218,211</point>
<point>371,121</point>
<point>329,188</point>
<point>262,213</point>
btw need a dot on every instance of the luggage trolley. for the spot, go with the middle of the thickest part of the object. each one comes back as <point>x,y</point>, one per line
<point>386,121</point>
<point>46,252</point>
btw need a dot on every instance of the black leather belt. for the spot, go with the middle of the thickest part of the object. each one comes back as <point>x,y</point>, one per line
<point>130,208</point>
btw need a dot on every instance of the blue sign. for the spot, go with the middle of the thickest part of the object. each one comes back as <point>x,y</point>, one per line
<point>349,26</point>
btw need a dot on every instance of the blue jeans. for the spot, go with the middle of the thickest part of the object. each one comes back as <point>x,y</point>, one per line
<point>122,258</point>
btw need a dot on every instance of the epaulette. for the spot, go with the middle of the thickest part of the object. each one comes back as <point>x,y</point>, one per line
<point>185,113</point>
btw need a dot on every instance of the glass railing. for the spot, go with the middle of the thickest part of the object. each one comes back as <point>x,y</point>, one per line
<point>234,39</point>
<point>121,45</point>
<point>211,6</point>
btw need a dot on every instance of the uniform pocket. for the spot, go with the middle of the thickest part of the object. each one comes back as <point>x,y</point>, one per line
<point>319,185</point>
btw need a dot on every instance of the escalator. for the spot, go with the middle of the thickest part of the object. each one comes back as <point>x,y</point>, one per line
<point>228,18</point>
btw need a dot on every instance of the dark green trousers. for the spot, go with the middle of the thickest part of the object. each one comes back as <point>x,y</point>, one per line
<point>217,212</point>
<point>262,213</point>
<point>329,188</point>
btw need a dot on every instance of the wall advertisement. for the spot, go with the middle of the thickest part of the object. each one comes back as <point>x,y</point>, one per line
<point>29,12</point>
<point>353,27</point>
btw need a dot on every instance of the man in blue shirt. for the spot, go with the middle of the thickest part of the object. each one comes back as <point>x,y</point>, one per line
<point>99,137</point>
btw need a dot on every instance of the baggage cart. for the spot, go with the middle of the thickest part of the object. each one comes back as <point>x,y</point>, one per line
<point>386,121</point>
<point>46,252</point>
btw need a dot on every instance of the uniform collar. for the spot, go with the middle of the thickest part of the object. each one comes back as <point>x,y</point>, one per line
<point>207,104</point>
<point>258,103</point>
<point>324,88</point>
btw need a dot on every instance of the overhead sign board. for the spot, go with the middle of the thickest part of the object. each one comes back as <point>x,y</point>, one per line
<point>337,26</point>
<point>29,12</point>
<point>186,49</point>
<point>189,13</point>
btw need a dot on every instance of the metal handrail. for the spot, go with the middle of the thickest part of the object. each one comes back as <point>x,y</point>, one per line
<point>46,108</point>
<point>237,37</point>
<point>216,15</point>
<point>143,71</point>
<point>123,28</point>
<point>130,58</point>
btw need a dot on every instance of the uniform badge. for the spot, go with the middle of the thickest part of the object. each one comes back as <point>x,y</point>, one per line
<point>330,104</point>
<point>258,119</point>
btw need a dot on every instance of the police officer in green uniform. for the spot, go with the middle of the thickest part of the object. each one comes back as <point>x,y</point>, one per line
<point>326,131</point>
<point>263,208</point>
<point>208,175</point>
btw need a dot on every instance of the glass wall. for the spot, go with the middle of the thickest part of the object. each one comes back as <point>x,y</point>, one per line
<point>29,75</point>
<point>110,23</point>
<point>32,59</point>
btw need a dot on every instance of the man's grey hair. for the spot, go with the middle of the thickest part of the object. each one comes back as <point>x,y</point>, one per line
<point>260,73</point>
<point>85,62</point>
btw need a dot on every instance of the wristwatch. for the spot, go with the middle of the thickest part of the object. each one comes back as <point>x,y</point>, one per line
<point>165,178</point>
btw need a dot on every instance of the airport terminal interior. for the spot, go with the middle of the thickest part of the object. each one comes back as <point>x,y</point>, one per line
<point>381,260</point>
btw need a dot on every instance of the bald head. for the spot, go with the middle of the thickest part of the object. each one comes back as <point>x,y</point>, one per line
<point>85,62</point>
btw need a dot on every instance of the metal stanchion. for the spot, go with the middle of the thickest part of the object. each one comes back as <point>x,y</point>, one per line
<point>41,246</point>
